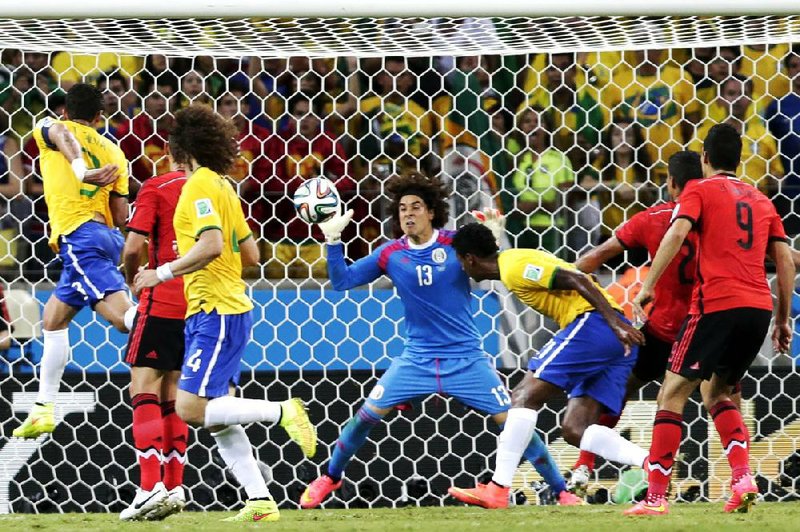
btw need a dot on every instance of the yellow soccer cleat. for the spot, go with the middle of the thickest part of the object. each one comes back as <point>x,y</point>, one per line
<point>40,420</point>
<point>299,428</point>
<point>256,511</point>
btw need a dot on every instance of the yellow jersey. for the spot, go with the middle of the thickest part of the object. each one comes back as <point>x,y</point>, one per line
<point>208,201</point>
<point>71,203</point>
<point>529,274</point>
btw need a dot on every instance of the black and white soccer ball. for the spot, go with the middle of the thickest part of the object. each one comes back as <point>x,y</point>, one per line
<point>316,200</point>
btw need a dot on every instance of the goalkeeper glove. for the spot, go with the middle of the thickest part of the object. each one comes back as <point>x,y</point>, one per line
<point>494,220</point>
<point>332,227</point>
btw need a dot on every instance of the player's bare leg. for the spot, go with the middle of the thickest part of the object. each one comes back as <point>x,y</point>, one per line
<point>113,308</point>
<point>56,318</point>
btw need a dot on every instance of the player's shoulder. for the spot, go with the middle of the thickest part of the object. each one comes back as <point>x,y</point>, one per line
<point>665,208</point>
<point>164,181</point>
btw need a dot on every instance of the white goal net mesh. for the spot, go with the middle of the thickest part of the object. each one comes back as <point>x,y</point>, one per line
<point>602,102</point>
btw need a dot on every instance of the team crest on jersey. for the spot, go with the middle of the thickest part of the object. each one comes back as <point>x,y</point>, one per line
<point>533,273</point>
<point>439,256</point>
<point>203,207</point>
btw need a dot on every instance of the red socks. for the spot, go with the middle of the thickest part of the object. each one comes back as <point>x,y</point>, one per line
<point>176,434</point>
<point>147,437</point>
<point>667,433</point>
<point>734,436</point>
<point>587,458</point>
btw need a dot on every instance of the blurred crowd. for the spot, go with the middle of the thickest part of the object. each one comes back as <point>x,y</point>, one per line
<point>569,145</point>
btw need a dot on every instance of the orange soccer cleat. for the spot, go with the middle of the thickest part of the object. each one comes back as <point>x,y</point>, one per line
<point>745,493</point>
<point>318,491</point>
<point>645,507</point>
<point>490,496</point>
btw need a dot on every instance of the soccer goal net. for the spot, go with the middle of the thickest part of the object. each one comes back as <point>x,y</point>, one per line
<point>564,119</point>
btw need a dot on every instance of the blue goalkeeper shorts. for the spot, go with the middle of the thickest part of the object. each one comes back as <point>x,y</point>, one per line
<point>91,257</point>
<point>585,358</point>
<point>214,347</point>
<point>473,381</point>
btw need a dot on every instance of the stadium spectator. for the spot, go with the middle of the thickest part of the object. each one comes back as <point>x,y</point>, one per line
<point>723,63</point>
<point>70,68</point>
<point>14,207</point>
<point>119,101</point>
<point>542,178</point>
<point>762,64</point>
<point>193,89</point>
<point>783,119</point>
<point>761,163</point>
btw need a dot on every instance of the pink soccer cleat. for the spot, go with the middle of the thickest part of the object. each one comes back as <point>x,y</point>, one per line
<point>318,491</point>
<point>660,507</point>
<point>745,493</point>
<point>567,498</point>
<point>490,496</point>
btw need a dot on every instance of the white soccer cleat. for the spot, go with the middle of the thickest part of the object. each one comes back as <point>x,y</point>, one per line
<point>145,504</point>
<point>579,480</point>
<point>173,504</point>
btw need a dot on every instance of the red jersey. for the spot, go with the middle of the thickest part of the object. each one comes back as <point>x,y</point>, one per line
<point>673,292</point>
<point>735,223</point>
<point>152,216</point>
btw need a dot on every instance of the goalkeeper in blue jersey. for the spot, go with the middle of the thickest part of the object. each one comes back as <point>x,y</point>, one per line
<point>443,351</point>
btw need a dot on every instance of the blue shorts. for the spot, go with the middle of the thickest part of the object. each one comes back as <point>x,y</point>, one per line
<point>91,257</point>
<point>586,358</point>
<point>214,347</point>
<point>473,381</point>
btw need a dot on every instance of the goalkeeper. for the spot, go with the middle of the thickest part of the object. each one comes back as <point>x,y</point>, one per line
<point>443,351</point>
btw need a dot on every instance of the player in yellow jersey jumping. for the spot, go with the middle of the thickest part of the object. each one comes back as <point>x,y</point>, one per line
<point>85,180</point>
<point>214,242</point>
<point>590,358</point>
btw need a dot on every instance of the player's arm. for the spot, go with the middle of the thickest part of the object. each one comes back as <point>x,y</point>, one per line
<point>362,271</point>
<point>118,205</point>
<point>249,252</point>
<point>59,137</point>
<point>669,247</point>
<point>782,256</point>
<point>133,255</point>
<point>580,282</point>
<point>796,258</point>
<point>591,261</point>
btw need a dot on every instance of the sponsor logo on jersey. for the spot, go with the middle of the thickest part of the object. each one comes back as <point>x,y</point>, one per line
<point>203,208</point>
<point>533,272</point>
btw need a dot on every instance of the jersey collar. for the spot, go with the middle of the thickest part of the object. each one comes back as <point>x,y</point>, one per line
<point>427,244</point>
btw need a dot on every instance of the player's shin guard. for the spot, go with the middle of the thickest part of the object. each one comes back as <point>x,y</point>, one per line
<point>235,449</point>
<point>351,439</point>
<point>147,438</point>
<point>229,410</point>
<point>734,436</point>
<point>587,458</point>
<point>607,443</point>
<point>176,436</point>
<point>55,355</point>
<point>516,436</point>
<point>667,430</point>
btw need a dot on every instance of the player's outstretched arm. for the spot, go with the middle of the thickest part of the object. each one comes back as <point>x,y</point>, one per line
<point>781,255</point>
<point>590,262</point>
<point>58,134</point>
<point>580,282</point>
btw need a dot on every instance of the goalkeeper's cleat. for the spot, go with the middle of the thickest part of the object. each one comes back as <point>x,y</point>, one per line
<point>294,420</point>
<point>318,491</point>
<point>579,480</point>
<point>745,493</point>
<point>567,498</point>
<point>146,504</point>
<point>645,507</point>
<point>255,511</point>
<point>173,504</point>
<point>40,420</point>
<point>490,496</point>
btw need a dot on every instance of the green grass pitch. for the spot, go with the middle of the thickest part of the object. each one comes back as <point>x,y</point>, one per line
<point>684,517</point>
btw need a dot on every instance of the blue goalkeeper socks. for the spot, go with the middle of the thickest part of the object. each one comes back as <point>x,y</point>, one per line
<point>351,439</point>
<point>536,453</point>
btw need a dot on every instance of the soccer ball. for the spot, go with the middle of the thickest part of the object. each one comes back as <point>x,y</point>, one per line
<point>316,200</point>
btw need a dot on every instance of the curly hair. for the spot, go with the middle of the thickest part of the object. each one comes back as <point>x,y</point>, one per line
<point>475,239</point>
<point>430,189</point>
<point>203,135</point>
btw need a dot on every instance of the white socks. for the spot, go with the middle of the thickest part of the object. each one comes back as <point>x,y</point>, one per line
<point>236,451</point>
<point>127,318</point>
<point>55,356</point>
<point>229,410</point>
<point>516,435</point>
<point>610,445</point>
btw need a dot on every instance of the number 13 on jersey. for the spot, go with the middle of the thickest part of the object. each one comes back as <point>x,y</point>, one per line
<point>425,274</point>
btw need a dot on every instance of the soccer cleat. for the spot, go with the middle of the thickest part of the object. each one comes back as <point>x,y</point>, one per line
<point>318,491</point>
<point>173,504</point>
<point>490,496</point>
<point>146,504</point>
<point>567,498</point>
<point>255,511</point>
<point>661,507</point>
<point>745,493</point>
<point>294,420</point>
<point>579,480</point>
<point>40,420</point>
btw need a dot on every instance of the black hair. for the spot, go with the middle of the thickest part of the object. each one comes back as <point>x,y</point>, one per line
<point>723,145</point>
<point>313,103</point>
<point>83,102</point>
<point>430,189</point>
<point>794,52</point>
<point>684,166</point>
<point>475,239</point>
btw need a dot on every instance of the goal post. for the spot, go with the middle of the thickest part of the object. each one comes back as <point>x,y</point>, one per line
<point>357,92</point>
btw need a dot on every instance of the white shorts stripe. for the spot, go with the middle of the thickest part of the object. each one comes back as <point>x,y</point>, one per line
<point>217,348</point>
<point>77,266</point>
<point>555,352</point>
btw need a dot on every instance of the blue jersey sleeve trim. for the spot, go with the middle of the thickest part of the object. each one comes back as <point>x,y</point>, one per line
<point>362,271</point>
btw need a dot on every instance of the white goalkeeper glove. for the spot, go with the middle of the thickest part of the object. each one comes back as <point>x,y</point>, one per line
<point>332,227</point>
<point>494,220</point>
